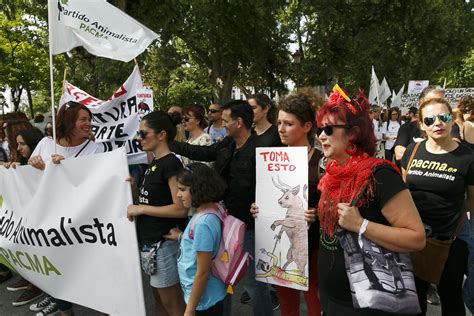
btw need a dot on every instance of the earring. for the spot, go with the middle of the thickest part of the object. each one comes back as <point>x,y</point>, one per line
<point>351,151</point>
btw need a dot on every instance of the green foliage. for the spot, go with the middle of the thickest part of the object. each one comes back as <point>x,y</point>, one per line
<point>206,48</point>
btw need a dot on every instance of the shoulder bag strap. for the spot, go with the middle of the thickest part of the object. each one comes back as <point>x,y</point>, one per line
<point>404,175</point>
<point>80,151</point>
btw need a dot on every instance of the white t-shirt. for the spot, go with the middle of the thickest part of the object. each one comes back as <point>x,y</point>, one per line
<point>392,131</point>
<point>377,130</point>
<point>45,149</point>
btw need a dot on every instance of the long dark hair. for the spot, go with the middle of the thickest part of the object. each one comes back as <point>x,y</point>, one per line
<point>161,121</point>
<point>264,102</point>
<point>31,136</point>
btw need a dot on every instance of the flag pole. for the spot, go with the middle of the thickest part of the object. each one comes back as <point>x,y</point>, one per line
<point>51,80</point>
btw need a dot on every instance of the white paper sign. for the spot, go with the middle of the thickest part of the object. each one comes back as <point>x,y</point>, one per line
<point>281,232</point>
<point>415,86</point>
<point>65,230</point>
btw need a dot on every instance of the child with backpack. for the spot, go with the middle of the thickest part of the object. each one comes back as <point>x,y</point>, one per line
<point>203,241</point>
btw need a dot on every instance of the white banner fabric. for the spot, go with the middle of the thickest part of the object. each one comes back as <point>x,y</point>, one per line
<point>101,28</point>
<point>281,232</point>
<point>65,230</point>
<point>115,122</point>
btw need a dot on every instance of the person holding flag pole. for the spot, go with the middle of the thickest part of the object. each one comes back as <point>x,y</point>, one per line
<point>93,25</point>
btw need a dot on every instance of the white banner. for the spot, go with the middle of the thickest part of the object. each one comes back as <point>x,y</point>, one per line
<point>99,27</point>
<point>116,121</point>
<point>452,95</point>
<point>65,230</point>
<point>281,232</point>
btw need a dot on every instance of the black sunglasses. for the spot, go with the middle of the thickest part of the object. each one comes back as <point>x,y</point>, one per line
<point>329,129</point>
<point>213,111</point>
<point>445,117</point>
<point>142,134</point>
<point>186,119</point>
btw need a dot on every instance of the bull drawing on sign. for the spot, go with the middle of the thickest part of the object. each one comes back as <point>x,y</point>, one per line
<point>293,225</point>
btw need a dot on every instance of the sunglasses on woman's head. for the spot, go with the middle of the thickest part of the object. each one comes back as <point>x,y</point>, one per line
<point>329,129</point>
<point>445,118</point>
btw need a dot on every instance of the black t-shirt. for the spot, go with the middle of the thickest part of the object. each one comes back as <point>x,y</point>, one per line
<point>407,134</point>
<point>155,191</point>
<point>333,281</point>
<point>438,183</point>
<point>270,138</point>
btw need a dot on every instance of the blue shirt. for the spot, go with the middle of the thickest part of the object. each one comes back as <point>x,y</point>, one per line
<point>216,134</point>
<point>207,237</point>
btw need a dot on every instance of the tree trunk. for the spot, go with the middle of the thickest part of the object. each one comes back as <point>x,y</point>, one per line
<point>30,102</point>
<point>225,92</point>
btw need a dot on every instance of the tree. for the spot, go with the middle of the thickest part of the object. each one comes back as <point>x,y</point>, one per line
<point>22,53</point>
<point>223,37</point>
<point>341,39</point>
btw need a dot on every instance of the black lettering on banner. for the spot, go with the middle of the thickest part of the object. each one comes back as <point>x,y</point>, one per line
<point>61,235</point>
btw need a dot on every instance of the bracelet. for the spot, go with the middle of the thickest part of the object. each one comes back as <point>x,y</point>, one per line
<point>363,227</point>
<point>180,236</point>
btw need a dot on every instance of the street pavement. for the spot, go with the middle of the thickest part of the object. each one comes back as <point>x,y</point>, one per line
<point>6,308</point>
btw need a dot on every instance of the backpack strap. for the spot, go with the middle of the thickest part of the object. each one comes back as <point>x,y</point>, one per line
<point>207,211</point>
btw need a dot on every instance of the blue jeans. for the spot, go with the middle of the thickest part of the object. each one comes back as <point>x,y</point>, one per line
<point>467,235</point>
<point>259,292</point>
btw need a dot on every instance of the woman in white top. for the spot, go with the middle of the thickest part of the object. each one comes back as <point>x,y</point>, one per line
<point>194,122</point>
<point>390,131</point>
<point>73,134</point>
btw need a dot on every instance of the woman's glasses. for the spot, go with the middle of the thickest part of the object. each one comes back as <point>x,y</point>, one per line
<point>213,111</point>
<point>142,134</point>
<point>445,118</point>
<point>186,118</point>
<point>329,129</point>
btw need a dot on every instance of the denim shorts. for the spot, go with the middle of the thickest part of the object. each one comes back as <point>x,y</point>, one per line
<point>166,274</point>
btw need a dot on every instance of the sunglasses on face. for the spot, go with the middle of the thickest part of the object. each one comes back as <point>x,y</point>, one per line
<point>186,118</point>
<point>329,129</point>
<point>213,111</point>
<point>142,134</point>
<point>445,118</point>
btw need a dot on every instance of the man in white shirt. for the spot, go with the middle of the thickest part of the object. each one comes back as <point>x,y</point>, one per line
<point>375,115</point>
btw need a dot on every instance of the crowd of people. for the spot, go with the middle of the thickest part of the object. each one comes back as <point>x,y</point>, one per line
<point>398,181</point>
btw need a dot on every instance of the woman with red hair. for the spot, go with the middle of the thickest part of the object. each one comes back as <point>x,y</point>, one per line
<point>385,213</point>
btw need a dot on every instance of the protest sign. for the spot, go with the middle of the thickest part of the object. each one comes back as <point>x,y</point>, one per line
<point>415,86</point>
<point>452,95</point>
<point>102,29</point>
<point>281,232</point>
<point>115,122</point>
<point>65,230</point>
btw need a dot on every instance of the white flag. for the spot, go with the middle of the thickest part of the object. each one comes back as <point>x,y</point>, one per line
<point>374,87</point>
<point>384,92</point>
<point>397,98</point>
<point>99,27</point>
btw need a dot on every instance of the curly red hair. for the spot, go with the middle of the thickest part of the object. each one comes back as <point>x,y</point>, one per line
<point>355,114</point>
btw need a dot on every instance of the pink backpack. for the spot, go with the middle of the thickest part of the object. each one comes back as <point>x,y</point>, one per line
<point>230,262</point>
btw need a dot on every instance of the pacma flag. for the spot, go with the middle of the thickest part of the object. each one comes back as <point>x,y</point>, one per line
<point>99,27</point>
